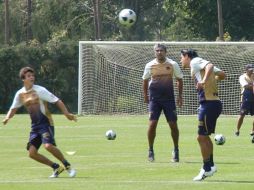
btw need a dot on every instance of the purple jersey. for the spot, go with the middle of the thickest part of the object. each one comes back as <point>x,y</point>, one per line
<point>246,94</point>
<point>35,100</point>
<point>161,75</point>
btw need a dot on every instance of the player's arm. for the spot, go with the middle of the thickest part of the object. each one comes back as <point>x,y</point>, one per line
<point>146,77</point>
<point>248,86</point>
<point>13,109</point>
<point>47,96</point>
<point>252,78</point>
<point>145,90</point>
<point>208,71</point>
<point>219,74</point>
<point>65,111</point>
<point>180,91</point>
<point>9,115</point>
<point>244,83</point>
<point>179,83</point>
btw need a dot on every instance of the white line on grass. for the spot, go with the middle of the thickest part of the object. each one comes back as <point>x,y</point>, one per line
<point>60,180</point>
<point>63,180</point>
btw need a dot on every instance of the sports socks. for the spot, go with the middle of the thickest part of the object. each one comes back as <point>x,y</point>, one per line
<point>211,160</point>
<point>55,166</point>
<point>207,165</point>
<point>66,163</point>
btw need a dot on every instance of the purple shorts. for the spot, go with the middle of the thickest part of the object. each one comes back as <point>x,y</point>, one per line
<point>209,112</point>
<point>42,134</point>
<point>247,107</point>
<point>168,107</point>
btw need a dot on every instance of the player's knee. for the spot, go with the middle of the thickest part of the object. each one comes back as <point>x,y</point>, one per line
<point>174,128</point>
<point>173,125</point>
<point>153,123</point>
<point>32,154</point>
<point>48,146</point>
<point>200,138</point>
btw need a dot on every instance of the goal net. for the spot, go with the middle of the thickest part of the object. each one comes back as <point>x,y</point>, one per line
<point>110,74</point>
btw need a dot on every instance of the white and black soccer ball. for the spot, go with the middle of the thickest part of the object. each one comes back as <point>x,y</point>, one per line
<point>219,139</point>
<point>111,135</point>
<point>127,17</point>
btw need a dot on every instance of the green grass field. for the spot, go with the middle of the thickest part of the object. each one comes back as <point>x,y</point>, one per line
<point>122,164</point>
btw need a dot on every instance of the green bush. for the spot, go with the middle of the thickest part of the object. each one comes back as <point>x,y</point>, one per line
<point>56,69</point>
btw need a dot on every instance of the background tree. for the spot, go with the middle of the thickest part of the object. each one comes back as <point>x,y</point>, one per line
<point>54,27</point>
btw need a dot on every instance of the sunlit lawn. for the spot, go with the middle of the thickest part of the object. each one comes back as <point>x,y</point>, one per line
<point>122,164</point>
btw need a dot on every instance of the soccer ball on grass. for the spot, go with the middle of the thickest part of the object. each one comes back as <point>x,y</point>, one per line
<point>127,17</point>
<point>111,135</point>
<point>219,139</point>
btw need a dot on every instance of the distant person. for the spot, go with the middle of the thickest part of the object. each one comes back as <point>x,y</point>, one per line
<point>205,75</point>
<point>35,98</point>
<point>247,98</point>
<point>158,80</point>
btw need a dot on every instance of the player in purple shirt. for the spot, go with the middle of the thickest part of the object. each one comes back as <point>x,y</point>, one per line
<point>35,99</point>
<point>205,75</point>
<point>158,90</point>
<point>247,98</point>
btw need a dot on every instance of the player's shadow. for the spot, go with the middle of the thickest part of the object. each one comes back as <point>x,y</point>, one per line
<point>197,162</point>
<point>71,178</point>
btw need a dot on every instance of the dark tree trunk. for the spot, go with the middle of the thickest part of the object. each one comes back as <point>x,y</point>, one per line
<point>97,19</point>
<point>7,23</point>
<point>29,21</point>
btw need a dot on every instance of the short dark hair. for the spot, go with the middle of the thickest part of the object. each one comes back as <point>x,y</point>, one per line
<point>160,46</point>
<point>249,67</point>
<point>24,70</point>
<point>190,52</point>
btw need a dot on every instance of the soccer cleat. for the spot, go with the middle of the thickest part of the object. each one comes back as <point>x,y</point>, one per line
<point>150,156</point>
<point>57,171</point>
<point>175,156</point>
<point>237,133</point>
<point>202,175</point>
<point>252,133</point>
<point>71,171</point>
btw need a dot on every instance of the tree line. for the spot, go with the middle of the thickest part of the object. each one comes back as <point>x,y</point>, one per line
<point>45,34</point>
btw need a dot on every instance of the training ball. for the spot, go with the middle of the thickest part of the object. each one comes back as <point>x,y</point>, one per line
<point>111,135</point>
<point>219,139</point>
<point>127,17</point>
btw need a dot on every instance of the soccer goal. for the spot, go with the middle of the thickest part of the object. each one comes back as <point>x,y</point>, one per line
<point>110,74</point>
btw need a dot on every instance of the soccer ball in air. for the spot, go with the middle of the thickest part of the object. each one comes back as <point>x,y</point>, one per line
<point>111,135</point>
<point>219,139</point>
<point>127,17</point>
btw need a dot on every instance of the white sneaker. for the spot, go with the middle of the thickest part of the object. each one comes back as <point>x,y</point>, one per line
<point>202,175</point>
<point>71,172</point>
<point>214,169</point>
<point>57,171</point>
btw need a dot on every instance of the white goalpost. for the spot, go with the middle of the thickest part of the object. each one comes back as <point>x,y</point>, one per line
<point>110,74</point>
